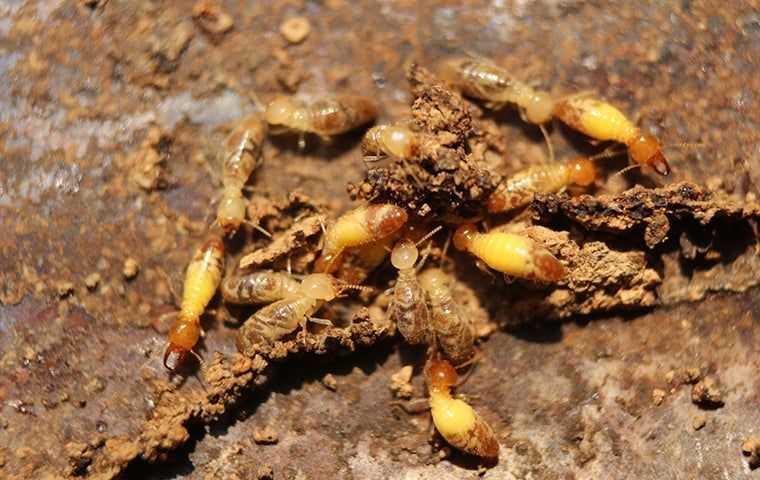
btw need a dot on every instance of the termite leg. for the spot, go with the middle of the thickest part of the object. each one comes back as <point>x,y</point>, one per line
<point>257,227</point>
<point>413,407</point>
<point>548,142</point>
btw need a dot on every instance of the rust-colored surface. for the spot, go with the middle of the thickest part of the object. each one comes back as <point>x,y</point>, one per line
<point>112,117</point>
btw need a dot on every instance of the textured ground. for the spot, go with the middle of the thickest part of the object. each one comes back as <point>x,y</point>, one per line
<point>103,99</point>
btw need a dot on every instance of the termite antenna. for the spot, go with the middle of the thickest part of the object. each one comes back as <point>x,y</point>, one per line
<point>609,152</point>
<point>428,235</point>
<point>628,168</point>
<point>545,133</point>
<point>352,286</point>
<point>684,145</point>
<point>257,227</point>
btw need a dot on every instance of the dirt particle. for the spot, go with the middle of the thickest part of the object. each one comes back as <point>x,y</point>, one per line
<point>658,395</point>
<point>295,29</point>
<point>265,472</point>
<point>95,385</point>
<point>329,382</point>
<point>92,280</point>
<point>707,394</point>
<point>212,19</point>
<point>131,268</point>
<point>265,435</point>
<point>64,288</point>
<point>683,376</point>
<point>401,385</point>
<point>698,421</point>
<point>751,449</point>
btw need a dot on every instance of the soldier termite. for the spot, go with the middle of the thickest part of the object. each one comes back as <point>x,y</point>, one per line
<point>453,333</point>
<point>358,227</point>
<point>457,422</point>
<point>509,253</point>
<point>265,286</point>
<point>242,155</point>
<point>408,307</point>
<point>204,273</point>
<point>284,316</point>
<point>602,121</point>
<point>390,140</point>
<point>519,190</point>
<point>482,79</point>
<point>324,117</point>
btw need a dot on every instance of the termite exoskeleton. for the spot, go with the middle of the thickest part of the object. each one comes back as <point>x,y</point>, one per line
<point>601,121</point>
<point>265,286</point>
<point>284,316</point>
<point>482,79</point>
<point>453,333</point>
<point>391,140</point>
<point>358,227</point>
<point>204,273</point>
<point>242,156</point>
<point>519,190</point>
<point>408,307</point>
<point>509,253</point>
<point>326,117</point>
<point>457,422</point>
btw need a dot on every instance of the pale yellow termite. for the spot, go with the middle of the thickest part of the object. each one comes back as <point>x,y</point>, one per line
<point>602,121</point>
<point>453,333</point>
<point>324,117</point>
<point>508,253</point>
<point>358,227</point>
<point>265,286</point>
<point>204,273</point>
<point>457,422</point>
<point>391,140</point>
<point>519,190</point>
<point>242,155</point>
<point>284,316</point>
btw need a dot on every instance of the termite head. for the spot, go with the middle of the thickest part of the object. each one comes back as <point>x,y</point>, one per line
<point>213,244</point>
<point>433,279</point>
<point>404,255</point>
<point>548,267</point>
<point>464,235</point>
<point>646,150</point>
<point>385,219</point>
<point>284,112</point>
<point>230,213</point>
<point>581,171</point>
<point>319,286</point>
<point>441,375</point>
<point>496,202</point>
<point>540,109</point>
<point>183,336</point>
<point>400,142</point>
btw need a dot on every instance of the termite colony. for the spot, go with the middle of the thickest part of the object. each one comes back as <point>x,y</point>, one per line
<point>421,302</point>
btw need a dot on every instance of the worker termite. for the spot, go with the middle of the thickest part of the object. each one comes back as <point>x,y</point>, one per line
<point>519,190</point>
<point>284,316</point>
<point>453,333</point>
<point>204,273</point>
<point>457,422</point>
<point>264,286</point>
<point>390,140</point>
<point>243,154</point>
<point>509,253</point>
<point>482,79</point>
<point>325,117</point>
<point>602,121</point>
<point>358,227</point>
<point>408,307</point>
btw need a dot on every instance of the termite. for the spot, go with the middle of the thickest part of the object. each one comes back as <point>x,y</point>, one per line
<point>265,286</point>
<point>408,307</point>
<point>325,117</point>
<point>509,253</point>
<point>358,227</point>
<point>204,273</point>
<point>284,316</point>
<point>242,155</point>
<point>482,79</point>
<point>457,422</point>
<point>390,140</point>
<point>453,333</point>
<point>602,121</point>
<point>519,190</point>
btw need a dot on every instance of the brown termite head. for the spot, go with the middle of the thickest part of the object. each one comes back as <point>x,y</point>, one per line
<point>463,235</point>
<point>391,140</point>
<point>581,171</point>
<point>646,150</point>
<point>441,375</point>
<point>183,336</point>
<point>230,213</point>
